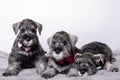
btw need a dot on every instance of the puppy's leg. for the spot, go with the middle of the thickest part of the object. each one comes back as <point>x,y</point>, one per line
<point>110,67</point>
<point>40,65</point>
<point>14,66</point>
<point>49,72</point>
<point>91,71</point>
<point>13,69</point>
<point>73,72</point>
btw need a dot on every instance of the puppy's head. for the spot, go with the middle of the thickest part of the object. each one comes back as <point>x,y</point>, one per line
<point>85,63</point>
<point>26,32</point>
<point>60,45</point>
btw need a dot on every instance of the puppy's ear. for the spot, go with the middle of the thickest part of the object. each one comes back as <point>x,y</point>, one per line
<point>73,39</point>
<point>16,27</point>
<point>49,41</point>
<point>39,26</point>
<point>99,57</point>
<point>78,55</point>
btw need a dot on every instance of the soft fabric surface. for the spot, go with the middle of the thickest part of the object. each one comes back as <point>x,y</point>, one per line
<point>30,74</point>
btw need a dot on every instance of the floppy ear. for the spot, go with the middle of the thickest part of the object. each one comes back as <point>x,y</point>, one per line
<point>99,57</point>
<point>49,41</point>
<point>73,39</point>
<point>16,27</point>
<point>39,26</point>
<point>78,55</point>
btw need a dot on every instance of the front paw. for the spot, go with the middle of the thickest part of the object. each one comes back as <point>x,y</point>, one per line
<point>10,73</point>
<point>91,71</point>
<point>48,75</point>
<point>73,73</point>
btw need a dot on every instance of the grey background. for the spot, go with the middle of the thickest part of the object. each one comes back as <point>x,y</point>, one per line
<point>90,20</point>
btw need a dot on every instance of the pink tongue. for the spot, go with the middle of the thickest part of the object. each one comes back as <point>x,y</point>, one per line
<point>27,49</point>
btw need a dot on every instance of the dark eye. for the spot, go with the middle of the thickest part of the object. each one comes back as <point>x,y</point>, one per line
<point>65,42</point>
<point>54,42</point>
<point>33,30</point>
<point>78,62</point>
<point>22,30</point>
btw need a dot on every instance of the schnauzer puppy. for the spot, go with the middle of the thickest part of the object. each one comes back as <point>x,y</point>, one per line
<point>83,64</point>
<point>61,54</point>
<point>93,55</point>
<point>27,51</point>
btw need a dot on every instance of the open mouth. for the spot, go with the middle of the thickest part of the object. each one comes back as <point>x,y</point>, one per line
<point>27,49</point>
<point>20,45</point>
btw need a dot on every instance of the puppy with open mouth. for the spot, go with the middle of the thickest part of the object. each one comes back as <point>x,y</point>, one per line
<point>27,51</point>
<point>92,56</point>
<point>61,53</point>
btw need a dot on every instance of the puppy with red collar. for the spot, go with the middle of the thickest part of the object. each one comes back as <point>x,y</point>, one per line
<point>61,53</point>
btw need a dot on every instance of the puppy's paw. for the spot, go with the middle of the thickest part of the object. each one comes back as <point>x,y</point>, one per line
<point>39,71</point>
<point>114,69</point>
<point>48,75</point>
<point>73,72</point>
<point>91,71</point>
<point>9,74</point>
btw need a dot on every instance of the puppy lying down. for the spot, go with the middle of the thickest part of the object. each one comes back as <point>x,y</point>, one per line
<point>61,53</point>
<point>93,56</point>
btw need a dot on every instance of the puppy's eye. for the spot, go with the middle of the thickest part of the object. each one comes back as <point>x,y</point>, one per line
<point>23,30</point>
<point>54,42</point>
<point>33,30</point>
<point>78,62</point>
<point>65,42</point>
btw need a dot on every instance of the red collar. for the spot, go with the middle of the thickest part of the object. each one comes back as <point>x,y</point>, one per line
<point>69,59</point>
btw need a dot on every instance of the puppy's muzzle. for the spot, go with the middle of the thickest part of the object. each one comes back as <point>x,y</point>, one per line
<point>58,50</point>
<point>83,69</point>
<point>27,37</point>
<point>27,40</point>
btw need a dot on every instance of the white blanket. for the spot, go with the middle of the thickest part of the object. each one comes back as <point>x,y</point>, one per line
<point>30,74</point>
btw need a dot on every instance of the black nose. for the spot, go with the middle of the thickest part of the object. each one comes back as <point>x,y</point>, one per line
<point>58,50</point>
<point>27,37</point>
<point>82,71</point>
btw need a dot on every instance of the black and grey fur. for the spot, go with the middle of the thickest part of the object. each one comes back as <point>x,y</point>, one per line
<point>84,64</point>
<point>93,55</point>
<point>27,51</point>
<point>61,46</point>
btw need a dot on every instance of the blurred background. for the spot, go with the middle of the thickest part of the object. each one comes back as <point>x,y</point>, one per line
<point>90,20</point>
